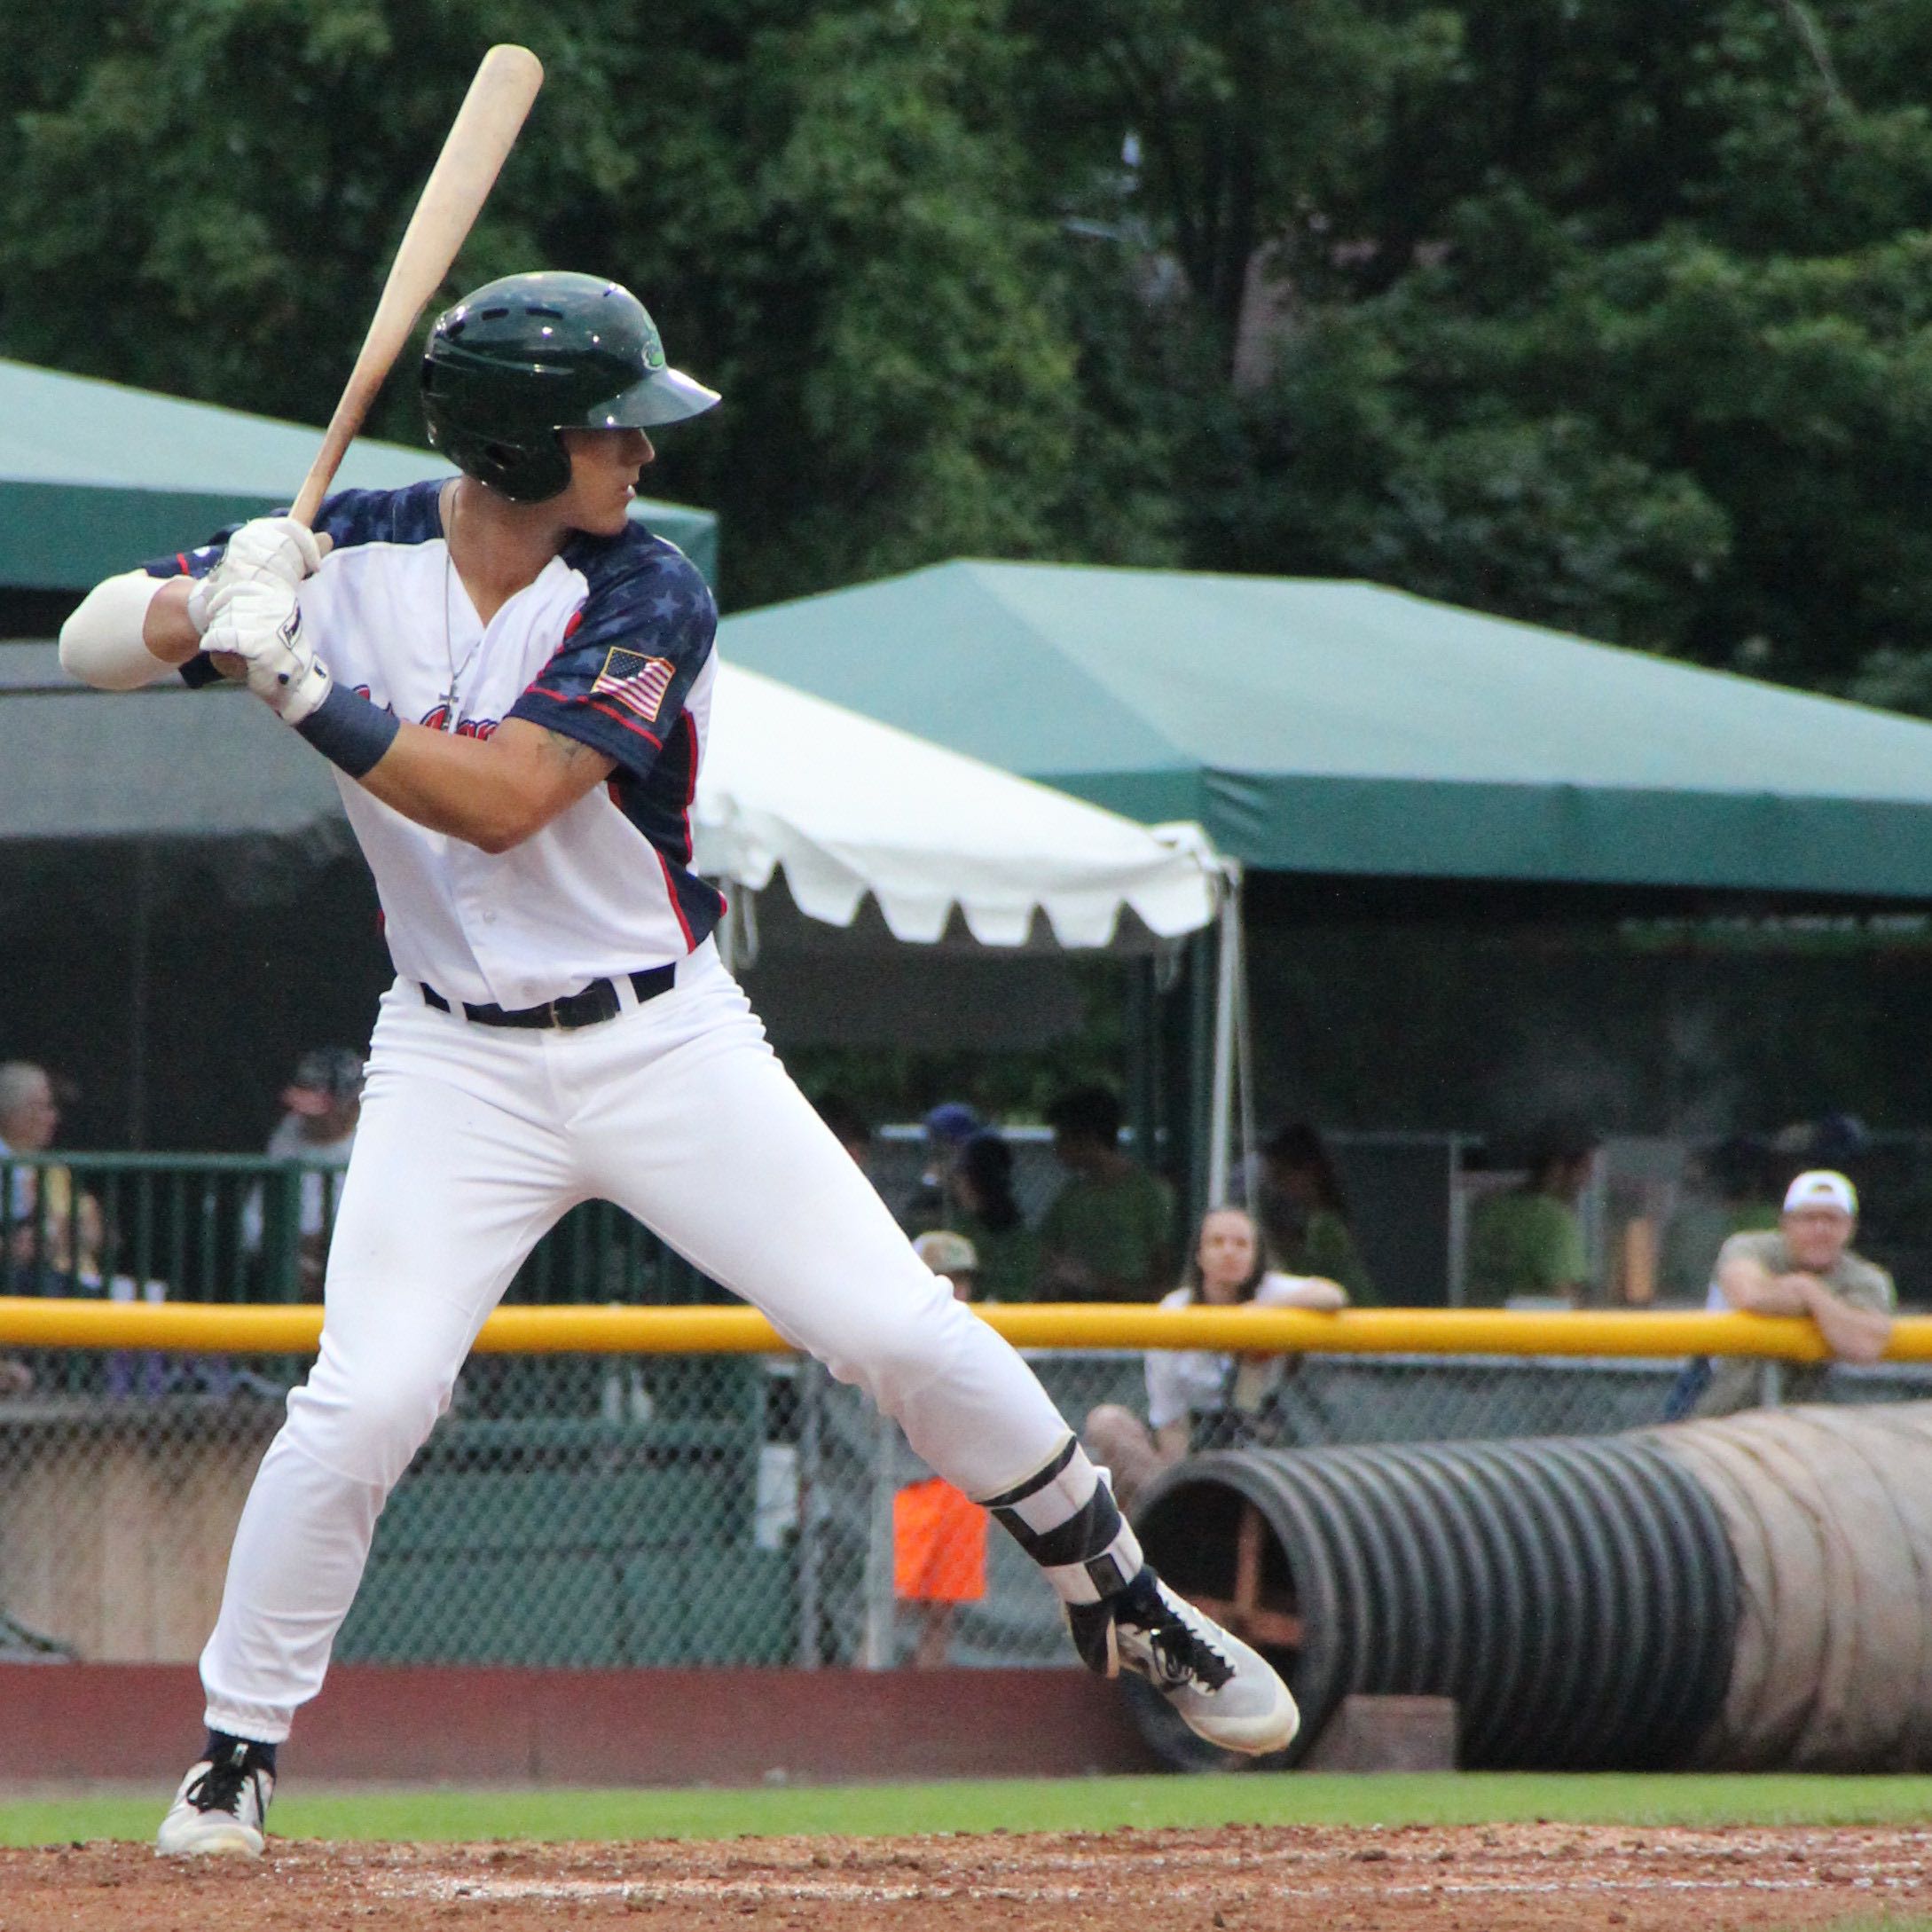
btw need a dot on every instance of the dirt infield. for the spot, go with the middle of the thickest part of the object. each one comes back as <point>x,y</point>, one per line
<point>1245,1879</point>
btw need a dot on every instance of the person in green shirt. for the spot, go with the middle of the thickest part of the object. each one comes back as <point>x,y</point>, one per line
<point>1107,1236</point>
<point>1304,1214</point>
<point>981,1187</point>
<point>1528,1240</point>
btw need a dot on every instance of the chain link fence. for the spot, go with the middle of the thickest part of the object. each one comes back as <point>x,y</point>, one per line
<point>587,1510</point>
<point>662,1509</point>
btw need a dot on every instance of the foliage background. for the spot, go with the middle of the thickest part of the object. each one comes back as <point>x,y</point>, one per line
<point>1613,316</point>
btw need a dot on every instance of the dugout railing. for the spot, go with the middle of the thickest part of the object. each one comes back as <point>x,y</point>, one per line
<point>668,1485</point>
<point>228,1228</point>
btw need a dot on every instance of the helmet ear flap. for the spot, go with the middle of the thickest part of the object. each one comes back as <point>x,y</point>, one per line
<point>525,472</point>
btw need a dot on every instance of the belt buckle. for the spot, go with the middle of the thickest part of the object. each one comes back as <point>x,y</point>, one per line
<point>557,1019</point>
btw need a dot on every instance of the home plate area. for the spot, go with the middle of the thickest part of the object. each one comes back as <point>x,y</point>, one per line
<point>1237,1878</point>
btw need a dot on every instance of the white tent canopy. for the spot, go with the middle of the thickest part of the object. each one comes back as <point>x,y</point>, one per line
<point>847,808</point>
<point>851,811</point>
<point>942,900</point>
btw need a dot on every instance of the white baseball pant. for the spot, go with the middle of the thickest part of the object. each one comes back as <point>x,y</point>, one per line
<point>473,1142</point>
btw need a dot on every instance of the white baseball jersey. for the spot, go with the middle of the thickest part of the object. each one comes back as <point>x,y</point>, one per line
<point>611,645</point>
<point>474,1138</point>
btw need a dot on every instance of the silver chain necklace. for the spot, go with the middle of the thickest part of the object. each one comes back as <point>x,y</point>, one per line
<point>450,698</point>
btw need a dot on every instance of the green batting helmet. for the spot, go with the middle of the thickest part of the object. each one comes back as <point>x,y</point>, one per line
<point>509,366</point>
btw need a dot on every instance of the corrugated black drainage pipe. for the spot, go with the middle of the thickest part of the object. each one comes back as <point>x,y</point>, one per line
<point>1577,1598</point>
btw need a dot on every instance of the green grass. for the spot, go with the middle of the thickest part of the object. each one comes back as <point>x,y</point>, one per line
<point>1064,1804</point>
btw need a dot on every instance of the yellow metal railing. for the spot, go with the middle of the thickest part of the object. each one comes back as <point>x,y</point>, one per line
<point>192,1327</point>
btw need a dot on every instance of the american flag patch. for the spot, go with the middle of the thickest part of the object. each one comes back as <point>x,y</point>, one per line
<point>636,680</point>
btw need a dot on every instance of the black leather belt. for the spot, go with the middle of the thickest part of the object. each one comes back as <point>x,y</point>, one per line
<point>597,1001</point>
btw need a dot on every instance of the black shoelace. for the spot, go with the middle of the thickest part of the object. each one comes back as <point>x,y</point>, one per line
<point>1179,1653</point>
<point>219,1788</point>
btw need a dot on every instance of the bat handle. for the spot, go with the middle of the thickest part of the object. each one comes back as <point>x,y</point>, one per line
<point>328,459</point>
<point>309,501</point>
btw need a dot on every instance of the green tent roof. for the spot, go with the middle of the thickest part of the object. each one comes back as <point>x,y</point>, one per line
<point>166,763</point>
<point>1339,727</point>
<point>95,478</point>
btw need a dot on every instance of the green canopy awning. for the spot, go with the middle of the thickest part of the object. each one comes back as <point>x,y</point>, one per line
<point>166,763</point>
<point>1344,728</point>
<point>95,478</point>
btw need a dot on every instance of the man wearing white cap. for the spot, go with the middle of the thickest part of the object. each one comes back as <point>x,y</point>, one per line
<point>1804,1266</point>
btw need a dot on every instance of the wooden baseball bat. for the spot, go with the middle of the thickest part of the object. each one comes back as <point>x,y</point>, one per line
<point>479,140</point>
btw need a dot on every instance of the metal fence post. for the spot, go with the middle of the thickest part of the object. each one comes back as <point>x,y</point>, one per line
<point>810,1510</point>
<point>879,1606</point>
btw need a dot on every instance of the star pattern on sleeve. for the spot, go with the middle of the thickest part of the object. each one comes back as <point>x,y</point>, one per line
<point>630,654</point>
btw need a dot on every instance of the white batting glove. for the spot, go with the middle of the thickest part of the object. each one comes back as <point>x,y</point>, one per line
<point>258,625</point>
<point>271,549</point>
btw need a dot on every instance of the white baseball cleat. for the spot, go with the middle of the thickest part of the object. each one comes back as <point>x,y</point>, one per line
<point>219,1811</point>
<point>1222,1690</point>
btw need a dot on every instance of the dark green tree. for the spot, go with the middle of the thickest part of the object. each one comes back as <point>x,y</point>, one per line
<point>1614,316</point>
<point>1610,317</point>
<point>823,204</point>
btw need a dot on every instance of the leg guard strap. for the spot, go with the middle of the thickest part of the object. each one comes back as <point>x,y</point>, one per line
<point>1066,1520</point>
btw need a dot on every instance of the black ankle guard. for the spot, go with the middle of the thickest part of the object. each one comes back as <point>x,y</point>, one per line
<point>221,1747</point>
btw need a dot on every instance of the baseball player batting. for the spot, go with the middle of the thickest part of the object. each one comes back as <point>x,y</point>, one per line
<point>513,680</point>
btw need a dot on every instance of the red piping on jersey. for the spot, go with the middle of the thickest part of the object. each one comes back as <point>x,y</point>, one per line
<point>576,618</point>
<point>181,557</point>
<point>650,737</point>
<point>603,711</point>
<point>691,783</point>
<point>677,909</point>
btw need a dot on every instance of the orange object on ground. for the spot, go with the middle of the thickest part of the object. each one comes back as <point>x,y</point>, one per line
<point>939,1545</point>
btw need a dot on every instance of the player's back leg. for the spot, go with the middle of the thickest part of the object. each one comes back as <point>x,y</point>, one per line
<point>454,1178</point>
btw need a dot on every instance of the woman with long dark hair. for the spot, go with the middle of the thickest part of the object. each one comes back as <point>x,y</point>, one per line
<point>1185,1388</point>
<point>986,1213</point>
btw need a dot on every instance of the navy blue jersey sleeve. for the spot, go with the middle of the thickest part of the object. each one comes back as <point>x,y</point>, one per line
<point>351,516</point>
<point>199,562</point>
<point>631,655</point>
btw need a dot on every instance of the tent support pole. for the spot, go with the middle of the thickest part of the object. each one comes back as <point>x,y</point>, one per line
<point>1143,1057</point>
<point>1227,1016</point>
<point>1244,1123</point>
<point>1201,982</point>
